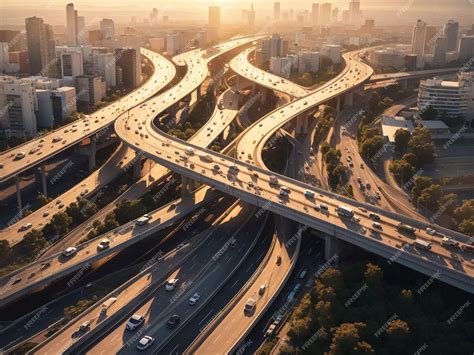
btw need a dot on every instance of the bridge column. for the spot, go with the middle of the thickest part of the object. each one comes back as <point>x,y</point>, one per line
<point>338,104</point>
<point>187,185</point>
<point>137,170</point>
<point>302,124</point>
<point>92,152</point>
<point>331,247</point>
<point>405,83</point>
<point>254,87</point>
<point>41,174</point>
<point>198,92</point>
<point>349,99</point>
<point>264,95</point>
<point>18,193</point>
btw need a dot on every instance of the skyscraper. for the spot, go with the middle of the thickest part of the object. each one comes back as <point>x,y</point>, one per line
<point>276,11</point>
<point>354,11</point>
<point>107,28</point>
<point>214,16</point>
<point>81,30</point>
<point>430,34</point>
<point>251,17</point>
<point>418,41</point>
<point>40,42</point>
<point>466,48</point>
<point>325,14</point>
<point>440,49</point>
<point>450,31</point>
<point>71,21</point>
<point>315,13</point>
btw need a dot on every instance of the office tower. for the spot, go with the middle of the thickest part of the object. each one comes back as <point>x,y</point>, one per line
<point>13,38</point>
<point>466,48</point>
<point>214,16</point>
<point>276,11</point>
<point>332,51</point>
<point>40,42</point>
<point>157,44</point>
<point>90,89</point>
<point>72,64</point>
<point>387,58</point>
<point>308,62</point>
<point>451,30</point>
<point>64,103</point>
<point>154,16</point>
<point>325,14</point>
<point>315,13</point>
<point>418,41</point>
<point>334,14</point>
<point>133,41</point>
<point>440,49</point>
<point>354,11</point>
<point>368,26</point>
<point>20,60</point>
<point>173,44</point>
<point>251,17</point>
<point>22,104</point>
<point>4,57</point>
<point>81,30</point>
<point>430,34</point>
<point>95,37</point>
<point>126,61</point>
<point>107,28</point>
<point>71,21</point>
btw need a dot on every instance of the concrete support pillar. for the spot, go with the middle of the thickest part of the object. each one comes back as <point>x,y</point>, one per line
<point>238,82</point>
<point>330,247</point>
<point>405,83</point>
<point>302,124</point>
<point>253,88</point>
<point>43,179</point>
<point>137,170</point>
<point>92,152</point>
<point>18,193</point>
<point>338,104</point>
<point>198,92</point>
<point>187,185</point>
<point>264,95</point>
<point>349,99</point>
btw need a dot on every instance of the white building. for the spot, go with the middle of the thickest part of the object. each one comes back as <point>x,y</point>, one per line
<point>90,89</point>
<point>391,124</point>
<point>281,66</point>
<point>4,57</point>
<point>21,103</point>
<point>104,65</point>
<point>418,42</point>
<point>64,102</point>
<point>449,98</point>
<point>333,52</point>
<point>308,62</point>
<point>71,22</point>
<point>173,44</point>
<point>387,58</point>
<point>44,117</point>
<point>72,64</point>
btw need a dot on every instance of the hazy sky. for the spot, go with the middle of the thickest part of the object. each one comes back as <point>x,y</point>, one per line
<point>13,11</point>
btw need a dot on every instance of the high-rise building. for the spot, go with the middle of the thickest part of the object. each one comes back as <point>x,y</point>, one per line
<point>64,103</point>
<point>40,42</point>
<point>22,103</point>
<point>387,58</point>
<point>90,88</point>
<point>418,41</point>
<point>107,27</point>
<point>450,98</point>
<point>20,59</point>
<point>308,62</point>
<point>72,64</point>
<point>333,52</point>
<point>430,35</point>
<point>251,17</point>
<point>126,60</point>
<point>81,30</point>
<point>354,11</point>
<point>278,47</point>
<point>133,41</point>
<point>71,22</point>
<point>173,44</point>
<point>214,16</point>
<point>4,57</point>
<point>315,13</point>
<point>95,37</point>
<point>335,14</point>
<point>325,14</point>
<point>466,48</point>
<point>440,49</point>
<point>157,44</point>
<point>451,30</point>
<point>276,11</point>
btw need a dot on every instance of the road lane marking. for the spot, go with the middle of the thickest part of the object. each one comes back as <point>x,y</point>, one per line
<point>202,320</point>
<point>249,268</point>
<point>235,283</point>
<point>173,350</point>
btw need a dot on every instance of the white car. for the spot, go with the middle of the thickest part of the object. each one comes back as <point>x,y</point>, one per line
<point>25,226</point>
<point>135,321</point>
<point>104,244</point>
<point>145,342</point>
<point>171,284</point>
<point>194,299</point>
<point>69,251</point>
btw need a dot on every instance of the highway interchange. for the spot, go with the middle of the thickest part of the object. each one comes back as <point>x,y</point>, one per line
<point>244,176</point>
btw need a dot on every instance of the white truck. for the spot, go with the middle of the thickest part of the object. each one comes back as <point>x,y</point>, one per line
<point>422,244</point>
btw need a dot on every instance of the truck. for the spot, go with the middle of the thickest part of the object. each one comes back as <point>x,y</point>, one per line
<point>345,211</point>
<point>406,228</point>
<point>273,180</point>
<point>422,244</point>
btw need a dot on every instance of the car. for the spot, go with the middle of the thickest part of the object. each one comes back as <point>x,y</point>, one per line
<point>363,230</point>
<point>69,251</point>
<point>356,219</point>
<point>194,299</point>
<point>250,305</point>
<point>303,274</point>
<point>270,331</point>
<point>362,209</point>
<point>233,169</point>
<point>25,227</point>
<point>173,321</point>
<point>84,326</point>
<point>324,207</point>
<point>449,242</point>
<point>145,342</point>
<point>251,184</point>
<point>104,244</point>
<point>135,321</point>
<point>361,166</point>
<point>58,138</point>
<point>374,216</point>
<point>19,156</point>
<point>216,167</point>
<point>377,225</point>
<point>171,284</point>
<point>430,231</point>
<point>278,262</point>
<point>368,186</point>
<point>261,290</point>
<point>317,208</point>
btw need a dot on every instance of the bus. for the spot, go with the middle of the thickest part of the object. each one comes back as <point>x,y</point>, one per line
<point>406,228</point>
<point>345,211</point>
<point>422,244</point>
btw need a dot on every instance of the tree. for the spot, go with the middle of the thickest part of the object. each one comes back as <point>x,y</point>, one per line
<point>42,199</point>
<point>398,333</point>
<point>332,278</point>
<point>127,210</point>
<point>401,170</point>
<point>411,159</point>
<point>325,148</point>
<point>374,101</point>
<point>402,137</point>
<point>373,274</point>
<point>467,227</point>
<point>61,222</point>
<point>422,145</point>
<point>5,249</point>
<point>420,183</point>
<point>465,211</point>
<point>306,79</point>
<point>345,338</point>
<point>430,197</point>
<point>32,243</point>
<point>371,146</point>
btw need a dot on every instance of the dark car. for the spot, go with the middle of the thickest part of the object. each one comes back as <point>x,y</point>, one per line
<point>173,321</point>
